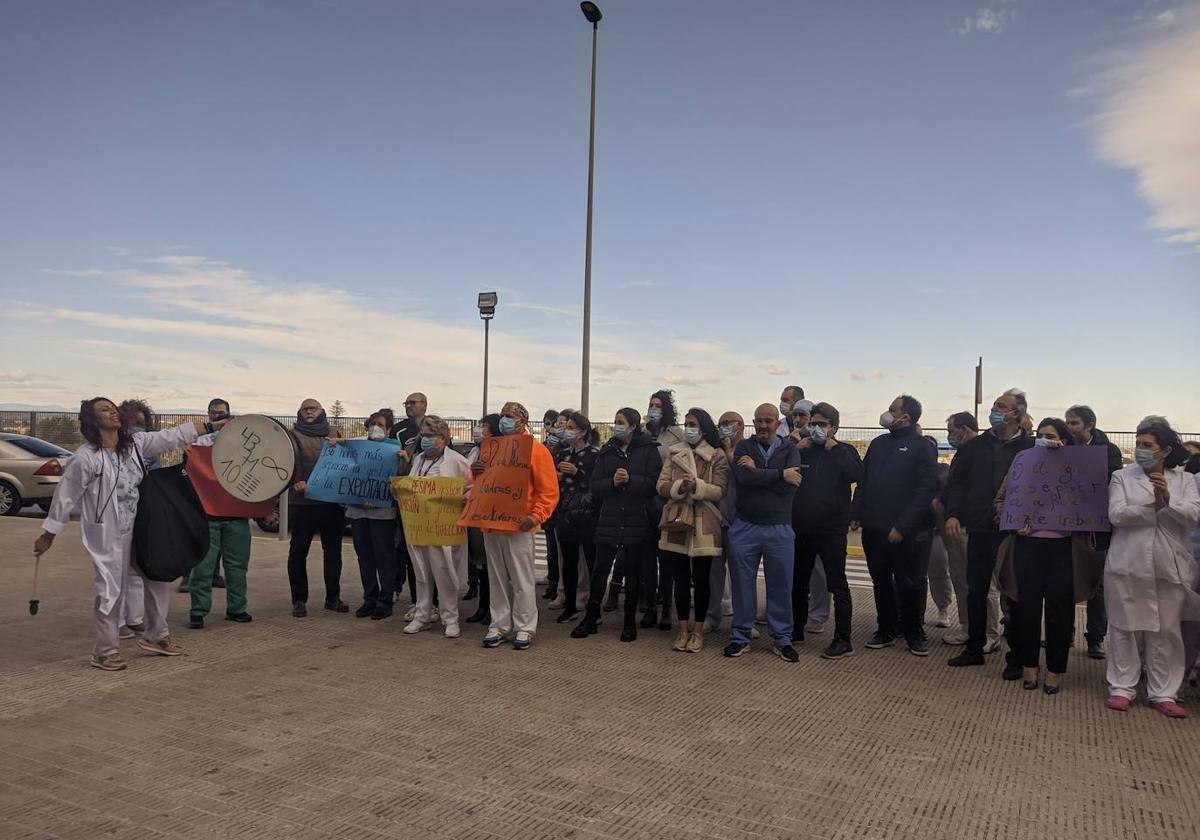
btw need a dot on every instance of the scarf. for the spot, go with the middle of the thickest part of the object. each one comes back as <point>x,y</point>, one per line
<point>317,428</point>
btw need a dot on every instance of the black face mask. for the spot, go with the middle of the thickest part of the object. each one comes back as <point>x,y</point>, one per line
<point>1192,465</point>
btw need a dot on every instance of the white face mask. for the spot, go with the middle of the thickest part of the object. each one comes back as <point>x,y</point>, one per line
<point>477,435</point>
<point>376,433</point>
<point>886,420</point>
<point>692,435</point>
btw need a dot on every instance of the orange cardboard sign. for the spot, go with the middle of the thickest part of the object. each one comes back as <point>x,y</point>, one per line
<point>499,497</point>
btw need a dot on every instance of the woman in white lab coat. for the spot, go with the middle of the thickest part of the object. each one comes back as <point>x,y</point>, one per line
<point>442,565</point>
<point>102,479</point>
<point>1148,576</point>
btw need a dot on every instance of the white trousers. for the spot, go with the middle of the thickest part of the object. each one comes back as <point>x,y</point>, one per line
<point>445,566</point>
<point>1159,653</point>
<point>510,573</point>
<point>156,595</point>
<point>133,611</point>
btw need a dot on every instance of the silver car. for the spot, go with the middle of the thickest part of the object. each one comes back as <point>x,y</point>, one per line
<point>30,469</point>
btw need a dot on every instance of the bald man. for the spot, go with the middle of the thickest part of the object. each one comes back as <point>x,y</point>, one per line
<point>766,470</point>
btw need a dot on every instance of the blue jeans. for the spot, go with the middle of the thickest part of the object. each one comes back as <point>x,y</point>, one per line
<point>774,546</point>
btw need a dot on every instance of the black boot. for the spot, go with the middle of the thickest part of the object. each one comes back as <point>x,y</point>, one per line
<point>585,628</point>
<point>483,615</point>
<point>629,631</point>
<point>664,620</point>
<point>648,620</point>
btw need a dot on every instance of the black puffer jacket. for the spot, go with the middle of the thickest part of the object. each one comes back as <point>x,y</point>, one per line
<point>625,511</point>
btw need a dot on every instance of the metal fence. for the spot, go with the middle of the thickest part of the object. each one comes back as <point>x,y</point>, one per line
<point>62,428</point>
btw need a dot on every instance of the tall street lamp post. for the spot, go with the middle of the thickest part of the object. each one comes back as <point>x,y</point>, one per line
<point>487,311</point>
<point>592,12</point>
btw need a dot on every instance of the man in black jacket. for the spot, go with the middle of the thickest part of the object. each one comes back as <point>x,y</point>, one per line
<point>1081,422</point>
<point>766,468</point>
<point>891,505</point>
<point>820,518</point>
<point>979,468</point>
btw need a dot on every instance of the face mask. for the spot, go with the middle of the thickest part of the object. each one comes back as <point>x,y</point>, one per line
<point>620,431</point>
<point>477,435</point>
<point>691,435</point>
<point>1145,459</point>
<point>996,419</point>
<point>568,435</point>
<point>376,433</point>
<point>785,408</point>
<point>653,415</point>
<point>508,425</point>
<point>428,444</point>
<point>818,434</point>
<point>952,440</point>
<point>726,432</point>
<point>886,419</point>
<point>555,433</point>
<point>1040,442</point>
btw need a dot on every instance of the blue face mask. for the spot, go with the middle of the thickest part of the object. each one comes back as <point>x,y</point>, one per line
<point>726,432</point>
<point>996,419</point>
<point>653,415</point>
<point>952,440</point>
<point>428,444</point>
<point>567,435</point>
<point>508,425</point>
<point>1144,458</point>
<point>620,431</point>
<point>691,435</point>
<point>818,434</point>
<point>1040,442</point>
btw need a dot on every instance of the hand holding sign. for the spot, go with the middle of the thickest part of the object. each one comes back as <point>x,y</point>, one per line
<point>1057,489</point>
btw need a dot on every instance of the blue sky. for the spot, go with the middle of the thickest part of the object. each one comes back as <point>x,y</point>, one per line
<point>286,199</point>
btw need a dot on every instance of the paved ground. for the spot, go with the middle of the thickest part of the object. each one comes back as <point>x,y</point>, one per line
<point>333,727</point>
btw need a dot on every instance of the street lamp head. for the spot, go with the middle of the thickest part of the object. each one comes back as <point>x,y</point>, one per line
<point>487,304</point>
<point>591,11</point>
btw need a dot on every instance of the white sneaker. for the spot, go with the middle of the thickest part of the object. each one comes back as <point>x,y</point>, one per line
<point>521,642</point>
<point>452,631</point>
<point>709,627</point>
<point>814,626</point>
<point>754,634</point>
<point>727,610</point>
<point>416,626</point>
<point>992,646</point>
<point>943,620</point>
<point>557,604</point>
<point>955,637</point>
<point>410,613</point>
<point>435,617</point>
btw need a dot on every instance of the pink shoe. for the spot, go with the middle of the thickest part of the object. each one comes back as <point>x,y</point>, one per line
<point>1118,703</point>
<point>1171,709</point>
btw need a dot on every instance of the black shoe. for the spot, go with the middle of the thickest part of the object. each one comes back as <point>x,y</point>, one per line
<point>629,633</point>
<point>1012,672</point>
<point>381,613</point>
<point>472,592</point>
<point>734,649</point>
<point>364,611</point>
<point>649,619</point>
<point>583,629</point>
<point>550,594</point>
<point>838,649</point>
<point>196,622</point>
<point>967,657</point>
<point>1095,650</point>
<point>881,640</point>
<point>218,582</point>
<point>786,652</point>
<point>918,646</point>
<point>478,616</point>
<point>299,610</point>
<point>336,606</point>
<point>566,616</point>
<point>240,618</point>
<point>797,637</point>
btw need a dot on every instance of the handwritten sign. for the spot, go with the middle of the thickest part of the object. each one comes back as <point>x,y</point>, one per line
<point>254,458</point>
<point>500,496</point>
<point>1063,489</point>
<point>430,507</point>
<point>213,497</point>
<point>357,472</point>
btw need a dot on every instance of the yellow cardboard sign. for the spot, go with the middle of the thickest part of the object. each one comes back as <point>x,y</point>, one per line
<point>430,507</point>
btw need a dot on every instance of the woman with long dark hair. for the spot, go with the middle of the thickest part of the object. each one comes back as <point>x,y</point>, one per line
<point>576,513</point>
<point>102,479</point>
<point>662,424</point>
<point>488,426</point>
<point>694,477</point>
<point>623,484</point>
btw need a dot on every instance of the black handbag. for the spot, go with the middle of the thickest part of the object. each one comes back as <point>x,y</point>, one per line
<point>170,532</point>
<point>576,517</point>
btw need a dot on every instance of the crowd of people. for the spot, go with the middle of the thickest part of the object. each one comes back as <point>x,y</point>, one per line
<point>669,521</point>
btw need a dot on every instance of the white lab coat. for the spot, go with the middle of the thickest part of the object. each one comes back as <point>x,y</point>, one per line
<point>1151,552</point>
<point>88,483</point>
<point>442,565</point>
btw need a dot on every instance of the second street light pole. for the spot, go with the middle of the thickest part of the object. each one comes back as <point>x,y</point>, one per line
<point>487,311</point>
<point>592,12</point>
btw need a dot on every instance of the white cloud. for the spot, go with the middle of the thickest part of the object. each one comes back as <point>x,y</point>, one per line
<point>859,376</point>
<point>240,363</point>
<point>776,370</point>
<point>1149,123</point>
<point>991,20</point>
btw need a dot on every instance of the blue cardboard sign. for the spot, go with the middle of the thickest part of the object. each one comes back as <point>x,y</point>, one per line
<point>357,472</point>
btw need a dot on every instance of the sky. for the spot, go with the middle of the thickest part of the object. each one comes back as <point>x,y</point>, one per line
<point>276,200</point>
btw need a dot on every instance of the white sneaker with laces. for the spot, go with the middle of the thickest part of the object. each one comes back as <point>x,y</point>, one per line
<point>410,613</point>
<point>557,604</point>
<point>452,631</point>
<point>992,646</point>
<point>814,626</point>
<point>956,637</point>
<point>943,620</point>
<point>416,626</point>
<point>435,617</point>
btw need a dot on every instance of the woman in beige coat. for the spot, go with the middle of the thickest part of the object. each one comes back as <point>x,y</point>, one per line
<point>693,481</point>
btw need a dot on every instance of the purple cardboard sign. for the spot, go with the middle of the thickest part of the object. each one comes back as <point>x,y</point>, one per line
<point>1063,489</point>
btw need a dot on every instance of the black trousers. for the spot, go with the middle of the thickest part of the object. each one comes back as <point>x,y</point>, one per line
<point>636,556</point>
<point>981,565</point>
<point>569,551</point>
<point>900,583</point>
<point>1097,617</point>
<point>307,521</point>
<point>831,548</point>
<point>552,576</point>
<point>374,543</point>
<point>687,574</point>
<point>1045,575</point>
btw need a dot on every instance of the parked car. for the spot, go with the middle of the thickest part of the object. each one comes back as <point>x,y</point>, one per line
<point>30,469</point>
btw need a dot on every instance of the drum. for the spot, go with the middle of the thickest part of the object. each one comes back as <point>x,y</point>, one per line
<point>254,458</point>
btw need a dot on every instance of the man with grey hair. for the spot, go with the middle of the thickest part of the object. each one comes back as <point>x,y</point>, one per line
<point>979,467</point>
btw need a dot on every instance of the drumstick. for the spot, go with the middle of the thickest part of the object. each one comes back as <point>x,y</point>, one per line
<point>33,602</point>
